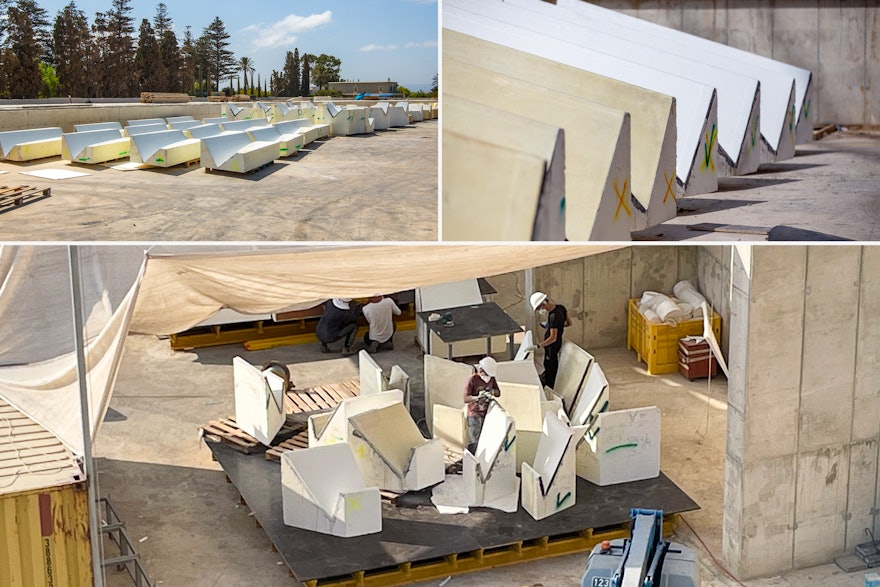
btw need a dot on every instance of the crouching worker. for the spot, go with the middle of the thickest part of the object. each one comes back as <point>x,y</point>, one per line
<point>338,322</point>
<point>479,391</point>
<point>379,313</point>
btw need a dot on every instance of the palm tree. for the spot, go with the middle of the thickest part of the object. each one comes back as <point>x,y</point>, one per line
<point>246,66</point>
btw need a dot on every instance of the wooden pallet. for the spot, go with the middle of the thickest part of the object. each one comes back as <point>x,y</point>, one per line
<point>226,431</point>
<point>320,397</point>
<point>14,196</point>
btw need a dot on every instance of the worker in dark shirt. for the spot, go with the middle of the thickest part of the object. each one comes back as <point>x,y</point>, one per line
<point>557,320</point>
<point>338,321</point>
<point>478,393</point>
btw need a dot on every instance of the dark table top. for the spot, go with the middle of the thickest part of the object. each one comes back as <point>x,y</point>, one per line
<point>470,322</point>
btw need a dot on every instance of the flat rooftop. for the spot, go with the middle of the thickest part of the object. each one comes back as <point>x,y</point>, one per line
<point>376,187</point>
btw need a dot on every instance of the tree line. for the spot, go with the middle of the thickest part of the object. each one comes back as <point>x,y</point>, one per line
<point>70,57</point>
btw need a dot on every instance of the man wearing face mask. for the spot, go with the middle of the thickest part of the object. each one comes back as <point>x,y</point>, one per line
<point>557,319</point>
<point>478,393</point>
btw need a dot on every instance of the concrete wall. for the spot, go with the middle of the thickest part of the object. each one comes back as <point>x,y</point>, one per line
<point>66,116</point>
<point>835,40</point>
<point>803,421</point>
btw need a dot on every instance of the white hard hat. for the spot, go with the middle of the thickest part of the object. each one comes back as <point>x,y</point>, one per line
<point>537,299</point>
<point>342,303</point>
<point>489,366</point>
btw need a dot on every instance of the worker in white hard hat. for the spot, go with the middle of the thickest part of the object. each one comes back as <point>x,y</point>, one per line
<point>478,393</point>
<point>557,320</point>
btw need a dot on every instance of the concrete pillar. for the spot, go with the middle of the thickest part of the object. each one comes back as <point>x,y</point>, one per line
<point>800,474</point>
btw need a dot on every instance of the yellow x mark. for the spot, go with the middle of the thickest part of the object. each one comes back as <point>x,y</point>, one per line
<point>622,196</point>
<point>669,191</point>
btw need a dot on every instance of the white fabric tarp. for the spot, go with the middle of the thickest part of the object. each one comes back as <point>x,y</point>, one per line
<point>47,389</point>
<point>179,291</point>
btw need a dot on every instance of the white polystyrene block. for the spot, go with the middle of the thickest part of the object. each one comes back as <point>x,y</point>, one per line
<point>592,399</point>
<point>10,139</point>
<point>518,371</point>
<point>548,485</point>
<point>215,120</point>
<point>444,385</point>
<point>234,151</point>
<point>391,451</point>
<point>398,379</point>
<point>179,119</point>
<point>259,403</point>
<point>399,114</point>
<point>574,363</point>
<point>524,353</point>
<point>381,117</point>
<point>490,475</point>
<point>204,130</point>
<point>440,296</point>
<point>73,144</point>
<point>146,122</point>
<point>184,124</point>
<point>526,403</point>
<point>140,129</point>
<point>241,125</point>
<point>371,378</point>
<point>98,126</point>
<point>333,427</point>
<point>623,446</point>
<point>337,503</point>
<point>164,149</point>
<point>450,426</point>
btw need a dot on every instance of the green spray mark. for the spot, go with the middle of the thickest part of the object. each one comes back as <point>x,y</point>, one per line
<point>84,159</point>
<point>560,499</point>
<point>707,149</point>
<point>160,160</point>
<point>807,108</point>
<point>755,130</point>
<point>508,444</point>
<point>620,446</point>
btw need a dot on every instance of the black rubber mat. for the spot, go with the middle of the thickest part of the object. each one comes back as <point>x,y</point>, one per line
<point>412,532</point>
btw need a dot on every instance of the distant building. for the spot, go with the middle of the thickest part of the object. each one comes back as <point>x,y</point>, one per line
<point>351,89</point>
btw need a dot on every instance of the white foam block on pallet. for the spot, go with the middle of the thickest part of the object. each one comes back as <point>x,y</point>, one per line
<point>332,427</point>
<point>146,121</point>
<point>98,126</point>
<point>259,401</point>
<point>9,139</point>
<point>289,143</point>
<point>490,474</point>
<point>623,446</point>
<point>144,129</point>
<point>173,144</point>
<point>241,125</point>
<point>73,144</point>
<point>592,399</point>
<point>204,130</point>
<point>340,504</point>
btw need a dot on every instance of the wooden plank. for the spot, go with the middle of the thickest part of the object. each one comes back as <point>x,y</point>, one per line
<point>14,196</point>
<point>296,399</point>
<point>735,228</point>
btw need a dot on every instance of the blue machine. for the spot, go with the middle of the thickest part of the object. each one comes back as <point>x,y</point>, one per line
<point>365,96</point>
<point>642,560</point>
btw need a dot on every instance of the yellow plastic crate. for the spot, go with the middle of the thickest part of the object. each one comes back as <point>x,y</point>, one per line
<point>657,344</point>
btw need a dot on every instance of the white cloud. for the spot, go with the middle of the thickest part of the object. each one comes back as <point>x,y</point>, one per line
<point>367,48</point>
<point>283,32</point>
<point>419,45</point>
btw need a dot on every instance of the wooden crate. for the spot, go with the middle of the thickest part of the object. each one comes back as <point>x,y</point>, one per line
<point>657,344</point>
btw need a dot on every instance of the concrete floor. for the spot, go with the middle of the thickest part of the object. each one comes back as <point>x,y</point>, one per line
<point>376,187</point>
<point>831,189</point>
<point>194,531</point>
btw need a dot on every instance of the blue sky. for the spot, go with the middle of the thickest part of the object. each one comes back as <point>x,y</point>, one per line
<point>375,39</point>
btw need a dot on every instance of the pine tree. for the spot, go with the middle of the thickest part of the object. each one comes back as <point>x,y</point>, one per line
<point>114,30</point>
<point>146,60</point>
<point>304,86</point>
<point>170,58</point>
<point>220,60</point>
<point>291,74</point>
<point>73,50</point>
<point>25,46</point>
<point>187,71</point>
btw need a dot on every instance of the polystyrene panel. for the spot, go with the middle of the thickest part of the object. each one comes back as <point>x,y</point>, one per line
<point>574,363</point>
<point>235,152</point>
<point>35,150</point>
<point>184,124</point>
<point>178,119</point>
<point>215,120</point>
<point>444,385</point>
<point>483,175</point>
<point>381,117</point>
<point>515,371</point>
<point>204,130</point>
<point>623,446</point>
<point>490,475</point>
<point>241,125</point>
<point>98,126</point>
<point>776,76</point>
<point>737,93</point>
<point>399,115</point>
<point>259,406</point>
<point>652,115</point>
<point>597,171</point>
<point>453,294</point>
<point>146,122</point>
<point>524,351</point>
<point>695,102</point>
<point>592,399</point>
<point>9,139</point>
<point>288,144</point>
<point>164,149</point>
<point>332,428</point>
<point>371,378</point>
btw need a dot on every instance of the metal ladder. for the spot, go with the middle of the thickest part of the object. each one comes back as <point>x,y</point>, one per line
<point>128,558</point>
